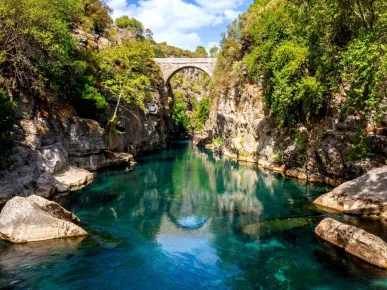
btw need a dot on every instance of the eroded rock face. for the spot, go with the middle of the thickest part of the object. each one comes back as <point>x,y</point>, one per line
<point>48,148</point>
<point>364,196</point>
<point>315,150</point>
<point>355,241</point>
<point>35,219</point>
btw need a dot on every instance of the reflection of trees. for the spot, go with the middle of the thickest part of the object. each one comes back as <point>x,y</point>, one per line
<point>191,182</point>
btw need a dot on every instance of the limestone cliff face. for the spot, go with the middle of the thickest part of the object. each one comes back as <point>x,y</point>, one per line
<point>142,131</point>
<point>55,149</point>
<point>53,154</point>
<point>317,152</point>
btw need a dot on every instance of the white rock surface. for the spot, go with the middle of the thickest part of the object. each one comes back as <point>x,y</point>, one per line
<point>23,220</point>
<point>365,195</point>
<point>72,179</point>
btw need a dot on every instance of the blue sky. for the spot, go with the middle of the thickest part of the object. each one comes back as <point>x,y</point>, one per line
<point>183,23</point>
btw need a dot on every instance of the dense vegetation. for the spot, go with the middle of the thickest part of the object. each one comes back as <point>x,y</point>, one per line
<point>192,104</point>
<point>40,58</point>
<point>303,52</point>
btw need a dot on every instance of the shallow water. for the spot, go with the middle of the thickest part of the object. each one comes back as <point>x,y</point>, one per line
<point>186,219</point>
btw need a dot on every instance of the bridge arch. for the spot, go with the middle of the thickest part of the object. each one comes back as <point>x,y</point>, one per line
<point>170,66</point>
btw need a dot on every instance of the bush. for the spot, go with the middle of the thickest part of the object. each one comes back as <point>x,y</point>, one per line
<point>217,141</point>
<point>278,158</point>
<point>131,24</point>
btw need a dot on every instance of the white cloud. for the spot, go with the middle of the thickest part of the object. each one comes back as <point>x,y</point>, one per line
<point>219,6</point>
<point>176,21</point>
<point>231,14</point>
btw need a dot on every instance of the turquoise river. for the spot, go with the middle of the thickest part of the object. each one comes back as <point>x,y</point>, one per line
<point>185,218</point>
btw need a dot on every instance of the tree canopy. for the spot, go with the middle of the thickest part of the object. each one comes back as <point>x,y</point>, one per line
<point>303,52</point>
<point>131,24</point>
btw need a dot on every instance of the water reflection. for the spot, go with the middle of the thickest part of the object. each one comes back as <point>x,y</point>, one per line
<point>188,217</point>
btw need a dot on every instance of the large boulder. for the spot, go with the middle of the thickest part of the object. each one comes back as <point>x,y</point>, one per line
<point>365,195</point>
<point>355,241</point>
<point>35,219</point>
<point>54,209</point>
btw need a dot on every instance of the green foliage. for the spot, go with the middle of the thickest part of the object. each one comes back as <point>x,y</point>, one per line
<point>200,114</point>
<point>127,71</point>
<point>359,150</point>
<point>300,137</point>
<point>217,141</point>
<point>96,16</point>
<point>196,112</point>
<point>201,51</point>
<point>163,50</point>
<point>364,67</point>
<point>214,51</point>
<point>6,126</point>
<point>148,34</point>
<point>303,52</point>
<point>131,24</point>
<point>180,118</point>
<point>278,158</point>
<point>35,43</point>
<point>87,90</point>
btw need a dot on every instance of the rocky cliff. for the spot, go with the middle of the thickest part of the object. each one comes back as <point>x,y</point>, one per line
<point>56,149</point>
<point>318,151</point>
<point>54,153</point>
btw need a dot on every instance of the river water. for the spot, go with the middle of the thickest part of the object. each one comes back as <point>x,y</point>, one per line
<point>187,219</point>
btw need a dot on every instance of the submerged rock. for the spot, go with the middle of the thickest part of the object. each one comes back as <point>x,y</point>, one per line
<point>355,241</point>
<point>276,225</point>
<point>365,195</point>
<point>36,219</point>
<point>72,179</point>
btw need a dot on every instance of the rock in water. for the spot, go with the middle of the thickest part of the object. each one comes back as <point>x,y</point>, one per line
<point>35,219</point>
<point>54,209</point>
<point>355,241</point>
<point>365,196</point>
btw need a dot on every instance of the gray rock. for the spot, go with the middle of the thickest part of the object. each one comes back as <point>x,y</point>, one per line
<point>365,195</point>
<point>54,209</point>
<point>45,185</point>
<point>53,157</point>
<point>72,179</point>
<point>355,241</point>
<point>86,137</point>
<point>23,220</point>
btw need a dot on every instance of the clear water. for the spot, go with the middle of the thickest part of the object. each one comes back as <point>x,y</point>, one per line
<point>185,219</point>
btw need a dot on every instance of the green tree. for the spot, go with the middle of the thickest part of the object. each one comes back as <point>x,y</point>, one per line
<point>214,51</point>
<point>131,24</point>
<point>36,47</point>
<point>148,34</point>
<point>128,71</point>
<point>181,119</point>
<point>201,51</point>
<point>96,15</point>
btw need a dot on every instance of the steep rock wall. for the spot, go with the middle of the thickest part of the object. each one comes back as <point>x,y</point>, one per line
<point>317,152</point>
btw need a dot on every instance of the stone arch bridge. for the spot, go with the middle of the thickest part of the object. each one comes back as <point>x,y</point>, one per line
<point>170,66</point>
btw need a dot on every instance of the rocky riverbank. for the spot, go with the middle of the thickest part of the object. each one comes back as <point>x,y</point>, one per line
<point>55,155</point>
<point>34,219</point>
<point>364,196</point>
<point>319,151</point>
